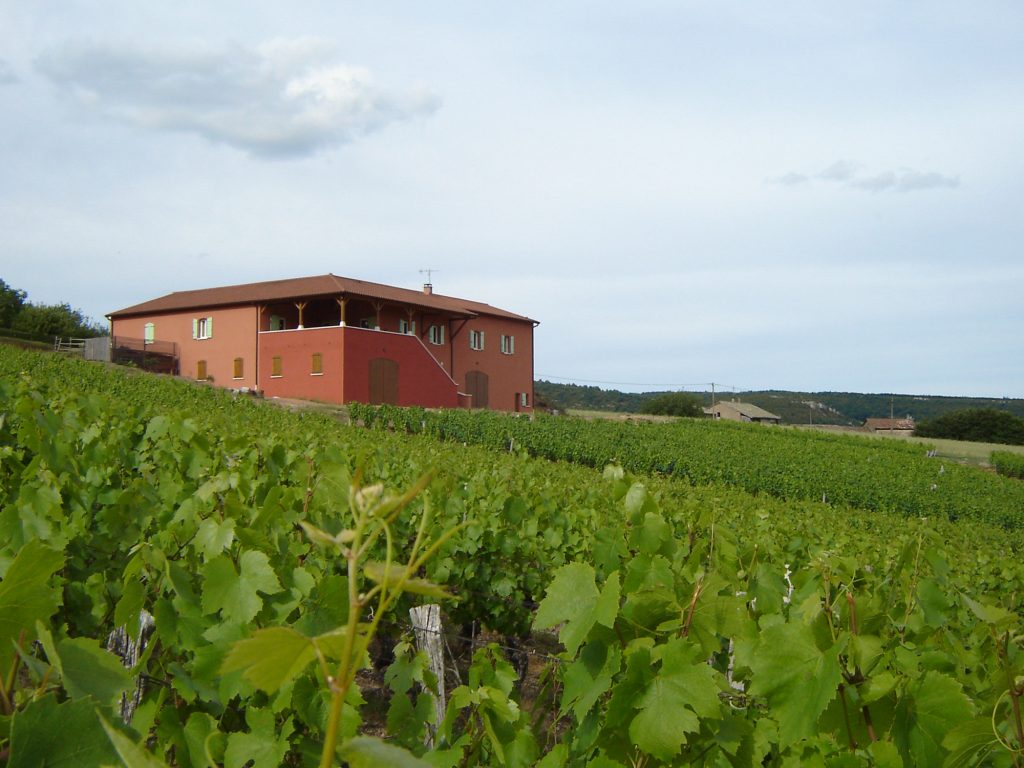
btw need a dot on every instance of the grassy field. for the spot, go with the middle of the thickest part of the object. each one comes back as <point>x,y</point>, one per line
<point>962,451</point>
<point>977,454</point>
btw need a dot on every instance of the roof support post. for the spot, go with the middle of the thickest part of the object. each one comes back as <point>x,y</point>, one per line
<point>378,306</point>
<point>341,308</point>
<point>300,305</point>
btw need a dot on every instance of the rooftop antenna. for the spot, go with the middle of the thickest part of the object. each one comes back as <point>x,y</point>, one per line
<point>428,287</point>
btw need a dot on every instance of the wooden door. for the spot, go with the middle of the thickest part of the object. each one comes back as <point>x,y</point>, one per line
<point>383,381</point>
<point>476,387</point>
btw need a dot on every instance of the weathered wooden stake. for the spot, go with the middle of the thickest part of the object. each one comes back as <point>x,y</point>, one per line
<point>129,651</point>
<point>426,624</point>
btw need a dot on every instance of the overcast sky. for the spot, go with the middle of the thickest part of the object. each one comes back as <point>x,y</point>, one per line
<point>792,195</point>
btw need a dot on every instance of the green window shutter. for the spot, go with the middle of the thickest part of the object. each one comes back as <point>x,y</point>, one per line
<point>195,328</point>
<point>209,327</point>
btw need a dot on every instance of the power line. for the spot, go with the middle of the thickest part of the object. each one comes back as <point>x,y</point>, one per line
<point>574,380</point>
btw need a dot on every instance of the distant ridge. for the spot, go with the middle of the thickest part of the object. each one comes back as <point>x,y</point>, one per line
<point>837,408</point>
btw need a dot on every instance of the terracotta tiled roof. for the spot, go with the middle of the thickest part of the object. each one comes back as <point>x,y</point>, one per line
<point>890,424</point>
<point>311,287</point>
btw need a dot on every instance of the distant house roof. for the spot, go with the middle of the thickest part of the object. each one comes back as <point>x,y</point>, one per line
<point>307,287</point>
<point>906,424</point>
<point>748,410</point>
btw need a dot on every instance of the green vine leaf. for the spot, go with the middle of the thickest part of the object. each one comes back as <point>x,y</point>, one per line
<point>990,614</point>
<point>89,670</point>
<point>932,707</point>
<point>263,746</point>
<point>214,537</point>
<point>271,657</point>
<point>131,754</point>
<point>236,593</point>
<point>797,678</point>
<point>371,752</point>
<point>969,743</point>
<point>671,707</point>
<point>81,741</point>
<point>26,595</point>
<point>571,598</point>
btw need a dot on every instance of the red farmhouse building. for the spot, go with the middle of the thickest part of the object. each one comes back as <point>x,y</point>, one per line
<point>340,340</point>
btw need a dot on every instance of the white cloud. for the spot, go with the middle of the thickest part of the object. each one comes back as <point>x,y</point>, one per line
<point>906,180</point>
<point>790,179</point>
<point>879,182</point>
<point>848,175</point>
<point>909,181</point>
<point>838,171</point>
<point>283,98</point>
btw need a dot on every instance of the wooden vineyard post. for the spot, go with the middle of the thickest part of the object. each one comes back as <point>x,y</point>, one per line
<point>120,643</point>
<point>426,625</point>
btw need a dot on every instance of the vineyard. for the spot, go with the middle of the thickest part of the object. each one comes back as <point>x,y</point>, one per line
<point>720,596</point>
<point>787,464</point>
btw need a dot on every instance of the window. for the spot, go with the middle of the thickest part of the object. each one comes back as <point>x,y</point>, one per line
<point>200,370</point>
<point>407,326</point>
<point>317,364</point>
<point>436,334</point>
<point>524,400</point>
<point>239,368</point>
<point>276,323</point>
<point>149,333</point>
<point>508,345</point>
<point>202,327</point>
<point>476,339</point>
<point>275,367</point>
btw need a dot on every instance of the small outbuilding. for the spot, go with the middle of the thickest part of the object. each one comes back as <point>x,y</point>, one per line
<point>890,426</point>
<point>732,410</point>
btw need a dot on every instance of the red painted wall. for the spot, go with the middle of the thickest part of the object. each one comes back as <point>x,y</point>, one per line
<point>508,375</point>
<point>296,349</point>
<point>346,354</point>
<point>421,381</point>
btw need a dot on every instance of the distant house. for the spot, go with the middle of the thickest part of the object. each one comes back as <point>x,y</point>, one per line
<point>736,411</point>
<point>890,426</point>
<point>338,340</point>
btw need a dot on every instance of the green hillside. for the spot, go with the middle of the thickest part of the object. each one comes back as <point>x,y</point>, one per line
<point>839,408</point>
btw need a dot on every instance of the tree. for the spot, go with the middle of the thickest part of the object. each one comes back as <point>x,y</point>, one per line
<point>48,320</point>
<point>980,425</point>
<point>12,301</point>
<point>674,404</point>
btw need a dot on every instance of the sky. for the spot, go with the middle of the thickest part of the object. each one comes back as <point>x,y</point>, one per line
<point>809,196</point>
